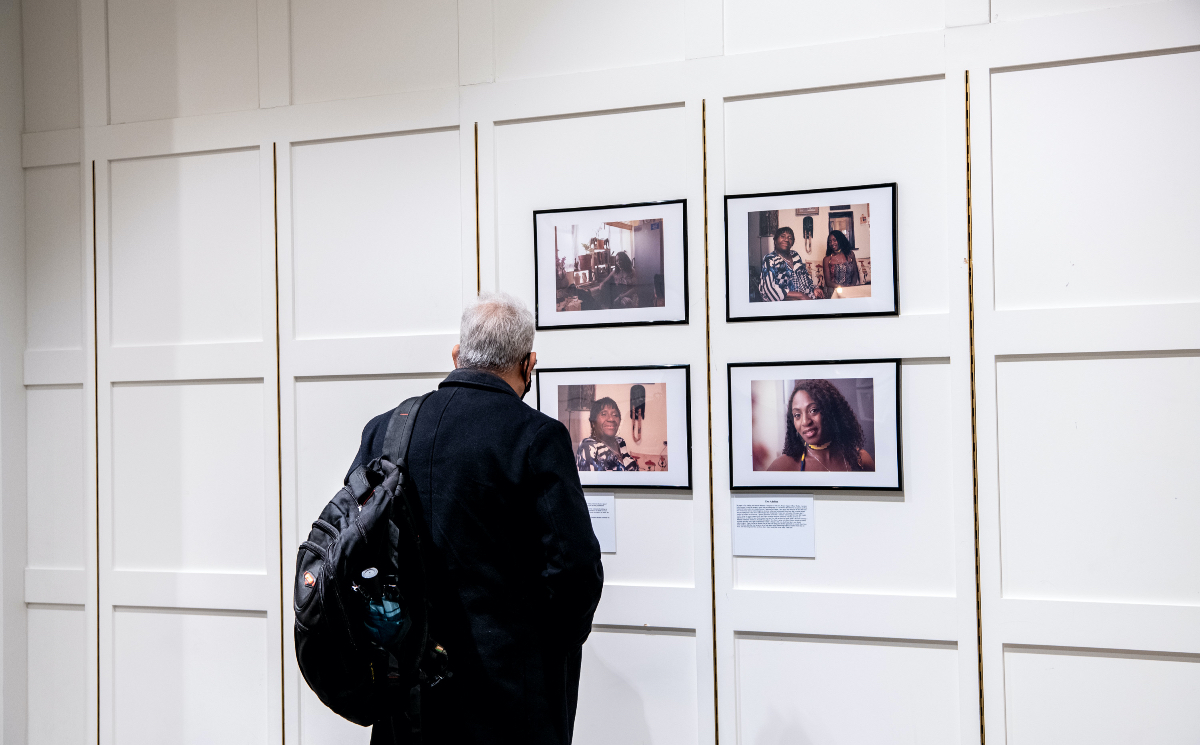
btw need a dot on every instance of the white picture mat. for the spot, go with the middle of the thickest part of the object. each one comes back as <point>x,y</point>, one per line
<point>673,265</point>
<point>883,293</point>
<point>791,534</point>
<point>678,474</point>
<point>887,464</point>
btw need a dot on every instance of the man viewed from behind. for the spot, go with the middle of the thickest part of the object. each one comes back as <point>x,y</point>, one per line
<point>516,572</point>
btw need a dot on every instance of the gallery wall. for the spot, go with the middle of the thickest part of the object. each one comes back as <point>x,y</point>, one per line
<point>250,227</point>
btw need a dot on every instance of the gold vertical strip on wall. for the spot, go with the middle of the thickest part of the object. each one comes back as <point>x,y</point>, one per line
<point>712,530</point>
<point>279,442</point>
<point>96,394</point>
<point>974,424</point>
<point>478,270</point>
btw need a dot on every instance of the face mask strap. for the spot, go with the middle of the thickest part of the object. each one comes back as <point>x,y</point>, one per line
<point>529,376</point>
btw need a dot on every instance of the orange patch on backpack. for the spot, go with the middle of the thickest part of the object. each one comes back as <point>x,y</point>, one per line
<point>309,579</point>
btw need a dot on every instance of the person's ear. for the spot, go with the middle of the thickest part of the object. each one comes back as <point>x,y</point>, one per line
<point>454,356</point>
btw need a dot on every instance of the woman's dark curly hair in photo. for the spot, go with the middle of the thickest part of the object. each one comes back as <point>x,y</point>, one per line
<point>837,420</point>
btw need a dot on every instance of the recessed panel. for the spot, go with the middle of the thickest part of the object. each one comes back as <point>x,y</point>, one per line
<point>50,62</point>
<point>850,692</point>
<point>372,47</point>
<point>637,687</point>
<point>377,236</point>
<point>1091,198</point>
<point>53,259</point>
<point>754,25</point>
<point>655,542</point>
<point>187,249</point>
<point>189,678</point>
<point>57,669</point>
<point>55,494</point>
<point>535,38</point>
<point>330,417</point>
<point>1098,475</point>
<point>886,544</point>
<point>1101,698</point>
<point>582,162</point>
<point>171,58</point>
<point>855,137</point>
<point>1012,10</point>
<point>189,476</point>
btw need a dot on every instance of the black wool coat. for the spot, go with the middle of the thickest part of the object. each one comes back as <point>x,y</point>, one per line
<point>516,572</point>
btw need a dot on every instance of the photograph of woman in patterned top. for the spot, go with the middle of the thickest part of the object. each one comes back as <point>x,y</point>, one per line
<point>616,426</point>
<point>841,272</point>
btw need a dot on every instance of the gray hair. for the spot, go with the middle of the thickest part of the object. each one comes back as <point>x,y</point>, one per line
<point>496,334</point>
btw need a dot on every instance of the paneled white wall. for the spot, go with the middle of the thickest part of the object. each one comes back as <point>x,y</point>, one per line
<point>286,230</point>
<point>1090,587</point>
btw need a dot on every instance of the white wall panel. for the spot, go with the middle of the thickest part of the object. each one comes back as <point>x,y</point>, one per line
<point>330,416</point>
<point>186,249</point>
<point>850,692</point>
<point>57,678</point>
<point>53,259</point>
<point>1012,10</point>
<point>655,542</point>
<point>377,238</point>
<point>172,58</point>
<point>582,162</point>
<point>50,62</point>
<point>1098,478</point>
<point>188,477</point>
<point>1102,698</point>
<point>372,47</point>
<point>849,138</point>
<point>320,726</point>
<point>535,38</point>
<point>1094,174</point>
<point>189,678</point>
<point>754,25</point>
<point>55,490</point>
<point>637,687</point>
<point>915,532</point>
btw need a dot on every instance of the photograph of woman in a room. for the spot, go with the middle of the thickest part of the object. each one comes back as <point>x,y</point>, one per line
<point>783,274</point>
<point>612,265</point>
<point>628,426</point>
<point>604,449</point>
<point>840,268</point>
<point>822,432</point>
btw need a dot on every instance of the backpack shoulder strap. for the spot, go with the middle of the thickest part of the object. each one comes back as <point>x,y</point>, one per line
<point>399,430</point>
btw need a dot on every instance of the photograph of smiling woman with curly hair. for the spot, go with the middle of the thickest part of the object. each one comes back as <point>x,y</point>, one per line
<point>822,431</point>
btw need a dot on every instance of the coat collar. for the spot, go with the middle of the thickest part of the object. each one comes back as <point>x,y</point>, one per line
<point>477,379</point>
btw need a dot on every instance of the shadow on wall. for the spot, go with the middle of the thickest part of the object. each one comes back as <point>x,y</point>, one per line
<point>610,709</point>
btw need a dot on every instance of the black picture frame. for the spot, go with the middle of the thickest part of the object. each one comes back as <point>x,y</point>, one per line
<point>899,487</point>
<point>537,318</point>
<point>687,394</point>
<point>895,277</point>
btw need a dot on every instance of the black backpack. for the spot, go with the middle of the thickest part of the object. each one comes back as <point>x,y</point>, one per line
<point>361,604</point>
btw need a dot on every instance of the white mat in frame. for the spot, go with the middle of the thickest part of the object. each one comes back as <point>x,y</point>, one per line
<point>550,228</point>
<point>879,381</point>
<point>878,206</point>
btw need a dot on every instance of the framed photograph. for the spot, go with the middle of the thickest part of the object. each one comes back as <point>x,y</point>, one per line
<point>630,426</point>
<point>815,425</point>
<point>804,254</point>
<point>622,265</point>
